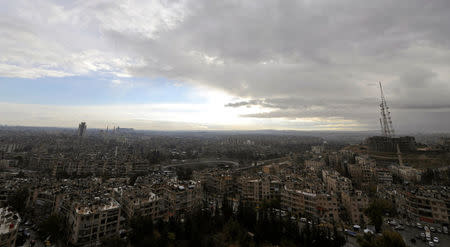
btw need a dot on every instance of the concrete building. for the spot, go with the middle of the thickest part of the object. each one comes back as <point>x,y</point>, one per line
<point>318,149</point>
<point>140,201</point>
<point>272,169</point>
<point>362,174</point>
<point>407,173</point>
<point>182,197</point>
<point>92,221</point>
<point>252,190</point>
<point>9,225</point>
<point>428,204</point>
<point>314,163</point>
<point>218,184</point>
<point>355,202</point>
<point>82,129</point>
<point>306,204</point>
<point>390,144</point>
<point>384,176</point>
<point>336,183</point>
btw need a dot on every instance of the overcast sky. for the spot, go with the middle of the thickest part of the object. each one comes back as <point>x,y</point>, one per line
<point>204,64</point>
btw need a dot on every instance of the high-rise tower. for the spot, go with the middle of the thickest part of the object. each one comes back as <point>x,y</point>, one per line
<point>82,129</point>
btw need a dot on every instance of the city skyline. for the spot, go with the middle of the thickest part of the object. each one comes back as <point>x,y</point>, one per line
<point>206,65</point>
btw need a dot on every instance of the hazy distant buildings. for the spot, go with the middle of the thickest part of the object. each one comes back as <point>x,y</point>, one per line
<point>318,149</point>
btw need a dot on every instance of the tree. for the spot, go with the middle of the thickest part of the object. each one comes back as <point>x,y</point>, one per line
<point>53,226</point>
<point>19,199</point>
<point>184,173</point>
<point>388,238</point>
<point>376,210</point>
<point>114,242</point>
<point>142,231</point>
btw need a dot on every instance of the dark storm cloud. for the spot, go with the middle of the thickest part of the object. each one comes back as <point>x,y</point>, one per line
<point>321,55</point>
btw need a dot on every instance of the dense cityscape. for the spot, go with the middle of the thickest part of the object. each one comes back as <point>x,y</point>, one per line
<point>121,187</point>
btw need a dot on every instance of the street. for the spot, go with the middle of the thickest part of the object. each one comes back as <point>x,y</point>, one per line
<point>411,231</point>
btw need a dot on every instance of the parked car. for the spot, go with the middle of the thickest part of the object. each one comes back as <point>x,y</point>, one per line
<point>445,229</point>
<point>432,229</point>
<point>419,225</point>
<point>436,239</point>
<point>399,228</point>
<point>430,243</point>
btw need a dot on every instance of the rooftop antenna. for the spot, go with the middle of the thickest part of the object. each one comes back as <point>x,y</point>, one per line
<point>385,120</point>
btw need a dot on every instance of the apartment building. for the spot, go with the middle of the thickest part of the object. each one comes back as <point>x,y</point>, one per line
<point>362,173</point>
<point>336,183</point>
<point>272,169</point>
<point>9,225</point>
<point>429,204</point>
<point>91,221</point>
<point>384,176</point>
<point>182,196</point>
<point>308,204</point>
<point>218,184</point>
<point>314,163</point>
<point>140,201</point>
<point>253,191</point>
<point>407,173</point>
<point>355,202</point>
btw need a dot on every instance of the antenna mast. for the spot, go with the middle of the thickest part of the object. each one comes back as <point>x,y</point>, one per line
<point>385,120</point>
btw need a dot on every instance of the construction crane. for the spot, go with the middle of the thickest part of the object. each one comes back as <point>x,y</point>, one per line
<point>385,121</point>
<point>386,124</point>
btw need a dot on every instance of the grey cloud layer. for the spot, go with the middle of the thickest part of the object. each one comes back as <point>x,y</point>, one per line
<point>298,59</point>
